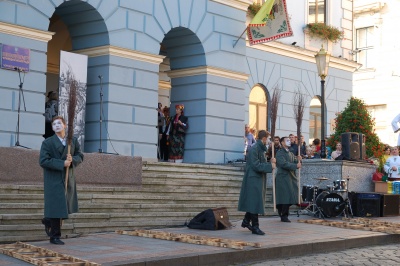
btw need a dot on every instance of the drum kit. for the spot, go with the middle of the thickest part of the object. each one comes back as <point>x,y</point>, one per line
<point>327,202</point>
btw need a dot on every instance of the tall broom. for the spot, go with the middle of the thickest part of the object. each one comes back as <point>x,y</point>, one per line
<point>71,116</point>
<point>274,114</point>
<point>298,110</point>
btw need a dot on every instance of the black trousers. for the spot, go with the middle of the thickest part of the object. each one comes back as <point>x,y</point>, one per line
<point>164,147</point>
<point>55,231</point>
<point>253,218</point>
<point>283,209</point>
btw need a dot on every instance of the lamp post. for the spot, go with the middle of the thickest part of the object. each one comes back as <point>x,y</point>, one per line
<point>322,59</point>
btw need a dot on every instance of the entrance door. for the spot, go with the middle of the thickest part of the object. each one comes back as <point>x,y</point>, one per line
<point>258,111</point>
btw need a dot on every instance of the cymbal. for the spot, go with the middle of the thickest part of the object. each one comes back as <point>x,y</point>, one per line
<point>321,178</point>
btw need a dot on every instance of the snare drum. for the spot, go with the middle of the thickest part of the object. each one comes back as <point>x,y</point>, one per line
<point>340,186</point>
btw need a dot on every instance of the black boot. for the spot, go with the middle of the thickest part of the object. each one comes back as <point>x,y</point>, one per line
<point>279,208</point>
<point>254,221</point>
<point>47,225</point>
<point>246,221</point>
<point>285,213</point>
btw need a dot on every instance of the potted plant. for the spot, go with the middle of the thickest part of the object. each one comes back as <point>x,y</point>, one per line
<point>324,32</point>
<point>253,9</point>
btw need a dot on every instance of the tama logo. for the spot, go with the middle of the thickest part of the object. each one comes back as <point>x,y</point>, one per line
<point>332,200</point>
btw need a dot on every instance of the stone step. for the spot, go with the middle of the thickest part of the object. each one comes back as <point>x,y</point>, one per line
<point>117,199</point>
<point>32,208</point>
<point>170,195</point>
<point>219,170</point>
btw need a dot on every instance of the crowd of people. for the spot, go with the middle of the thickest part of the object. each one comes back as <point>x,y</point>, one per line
<point>171,133</point>
<point>307,151</point>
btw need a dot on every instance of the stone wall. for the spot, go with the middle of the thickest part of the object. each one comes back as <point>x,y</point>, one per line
<point>359,174</point>
<point>21,166</point>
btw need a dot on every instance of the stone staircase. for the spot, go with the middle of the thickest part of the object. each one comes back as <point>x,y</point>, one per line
<point>171,194</point>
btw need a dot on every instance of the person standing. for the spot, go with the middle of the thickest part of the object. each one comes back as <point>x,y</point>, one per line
<point>252,193</point>
<point>51,110</point>
<point>336,153</point>
<point>164,143</point>
<point>176,136</point>
<point>249,139</point>
<point>54,160</point>
<point>392,165</point>
<point>286,179</point>
<point>396,128</point>
<point>303,146</point>
<point>161,128</point>
<point>277,146</point>
<point>294,148</point>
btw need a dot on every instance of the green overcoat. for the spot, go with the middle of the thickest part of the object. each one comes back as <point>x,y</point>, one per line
<point>286,180</point>
<point>52,156</point>
<point>252,193</point>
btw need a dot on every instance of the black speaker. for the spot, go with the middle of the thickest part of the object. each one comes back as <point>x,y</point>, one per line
<point>350,146</point>
<point>390,205</point>
<point>365,204</point>
<point>211,219</point>
<point>361,141</point>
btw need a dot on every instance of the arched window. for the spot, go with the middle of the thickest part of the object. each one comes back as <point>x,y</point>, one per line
<point>258,111</point>
<point>315,118</point>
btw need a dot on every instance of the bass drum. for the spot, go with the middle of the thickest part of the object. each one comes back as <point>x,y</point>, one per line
<point>331,204</point>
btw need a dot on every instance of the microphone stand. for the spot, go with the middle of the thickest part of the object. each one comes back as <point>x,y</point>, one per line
<point>20,91</point>
<point>101,108</point>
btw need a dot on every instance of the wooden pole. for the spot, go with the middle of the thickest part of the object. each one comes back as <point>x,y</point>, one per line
<point>239,37</point>
<point>67,172</point>
<point>298,172</point>
<point>273,179</point>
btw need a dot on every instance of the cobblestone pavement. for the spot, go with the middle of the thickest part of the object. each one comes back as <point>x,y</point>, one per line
<point>374,255</point>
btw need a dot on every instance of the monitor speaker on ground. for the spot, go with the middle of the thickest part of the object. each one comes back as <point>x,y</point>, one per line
<point>365,204</point>
<point>361,141</point>
<point>390,205</point>
<point>350,145</point>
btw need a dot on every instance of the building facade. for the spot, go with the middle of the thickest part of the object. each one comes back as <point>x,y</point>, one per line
<point>170,51</point>
<point>377,49</point>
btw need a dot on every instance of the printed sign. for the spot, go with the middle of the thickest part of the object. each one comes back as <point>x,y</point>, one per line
<point>15,58</point>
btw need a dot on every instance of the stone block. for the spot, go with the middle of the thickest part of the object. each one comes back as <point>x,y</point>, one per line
<point>21,166</point>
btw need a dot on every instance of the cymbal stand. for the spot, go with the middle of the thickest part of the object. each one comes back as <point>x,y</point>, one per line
<point>347,207</point>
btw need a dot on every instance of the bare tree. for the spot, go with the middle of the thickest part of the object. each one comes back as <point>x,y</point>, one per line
<point>273,108</point>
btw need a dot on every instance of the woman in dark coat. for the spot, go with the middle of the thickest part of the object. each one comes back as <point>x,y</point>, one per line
<point>286,180</point>
<point>54,160</point>
<point>164,143</point>
<point>177,132</point>
<point>252,193</point>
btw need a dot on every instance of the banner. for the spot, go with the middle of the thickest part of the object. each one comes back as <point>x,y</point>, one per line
<point>268,26</point>
<point>74,66</point>
<point>15,57</point>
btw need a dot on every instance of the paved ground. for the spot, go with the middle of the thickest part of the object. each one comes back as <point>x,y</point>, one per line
<point>374,255</point>
<point>282,240</point>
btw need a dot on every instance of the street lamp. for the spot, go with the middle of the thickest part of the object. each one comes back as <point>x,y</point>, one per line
<point>322,60</point>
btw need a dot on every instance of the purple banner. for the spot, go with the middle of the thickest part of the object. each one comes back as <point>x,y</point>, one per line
<point>13,57</point>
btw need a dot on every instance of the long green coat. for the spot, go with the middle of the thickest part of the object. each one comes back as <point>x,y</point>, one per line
<point>252,193</point>
<point>286,180</point>
<point>52,156</point>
